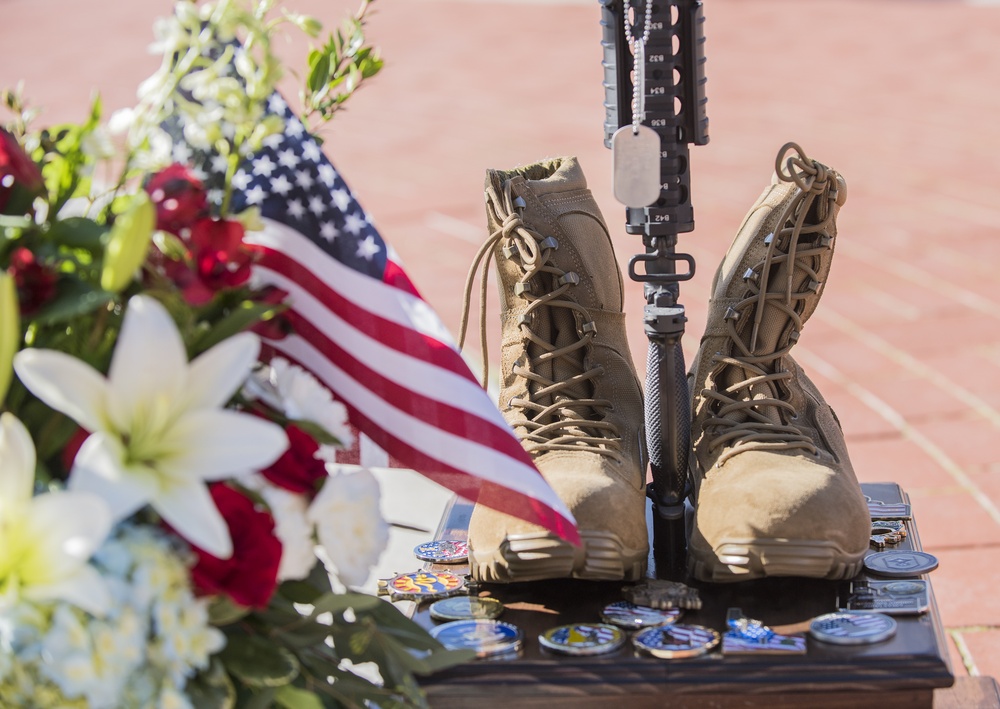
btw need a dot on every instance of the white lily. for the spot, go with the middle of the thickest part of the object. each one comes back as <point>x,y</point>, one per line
<point>46,541</point>
<point>158,431</point>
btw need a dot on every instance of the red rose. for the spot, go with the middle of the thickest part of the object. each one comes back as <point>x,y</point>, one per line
<point>250,575</point>
<point>221,258</point>
<point>179,196</point>
<point>20,178</point>
<point>35,283</point>
<point>298,470</point>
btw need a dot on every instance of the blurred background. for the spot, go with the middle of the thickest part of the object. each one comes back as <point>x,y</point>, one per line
<point>900,96</point>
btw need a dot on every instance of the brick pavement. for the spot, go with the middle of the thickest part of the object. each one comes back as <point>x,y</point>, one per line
<point>900,96</point>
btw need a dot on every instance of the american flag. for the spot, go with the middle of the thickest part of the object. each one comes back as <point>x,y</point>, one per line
<point>361,327</point>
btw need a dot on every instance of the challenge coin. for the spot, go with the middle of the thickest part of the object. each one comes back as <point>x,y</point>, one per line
<point>466,608</point>
<point>423,585</point>
<point>631,616</point>
<point>900,564</point>
<point>487,638</point>
<point>443,551</point>
<point>852,628</point>
<point>583,639</point>
<point>676,641</point>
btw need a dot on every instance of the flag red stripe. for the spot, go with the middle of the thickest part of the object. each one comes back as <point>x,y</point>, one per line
<point>411,342</point>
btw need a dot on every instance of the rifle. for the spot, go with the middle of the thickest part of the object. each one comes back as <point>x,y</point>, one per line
<point>673,87</point>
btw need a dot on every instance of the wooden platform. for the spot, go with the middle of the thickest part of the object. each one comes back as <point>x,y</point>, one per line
<point>911,669</point>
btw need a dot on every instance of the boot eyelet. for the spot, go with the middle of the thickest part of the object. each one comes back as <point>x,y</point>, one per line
<point>549,242</point>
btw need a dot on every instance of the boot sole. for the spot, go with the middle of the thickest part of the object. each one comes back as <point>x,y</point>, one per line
<point>535,557</point>
<point>748,559</point>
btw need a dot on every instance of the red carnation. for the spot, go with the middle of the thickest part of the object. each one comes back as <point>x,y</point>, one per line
<point>35,283</point>
<point>250,575</point>
<point>221,258</point>
<point>20,178</point>
<point>179,196</point>
<point>298,470</point>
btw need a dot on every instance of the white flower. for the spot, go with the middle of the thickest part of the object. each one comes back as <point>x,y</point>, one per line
<point>291,526</point>
<point>158,432</point>
<point>349,523</point>
<point>46,541</point>
<point>300,396</point>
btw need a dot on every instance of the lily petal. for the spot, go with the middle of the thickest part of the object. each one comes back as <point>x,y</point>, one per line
<point>85,588</point>
<point>67,528</point>
<point>215,374</point>
<point>149,363</point>
<point>100,468</point>
<point>65,383</point>
<point>17,463</point>
<point>191,511</point>
<point>215,443</point>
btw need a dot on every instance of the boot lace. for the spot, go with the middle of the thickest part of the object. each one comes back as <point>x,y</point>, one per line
<point>558,413</point>
<point>750,406</point>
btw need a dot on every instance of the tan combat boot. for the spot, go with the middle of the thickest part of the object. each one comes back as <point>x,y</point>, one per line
<point>775,494</point>
<point>568,385</point>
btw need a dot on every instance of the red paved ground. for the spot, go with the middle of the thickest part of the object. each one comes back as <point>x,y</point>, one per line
<point>898,95</point>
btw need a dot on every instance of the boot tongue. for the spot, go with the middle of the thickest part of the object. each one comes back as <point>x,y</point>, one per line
<point>773,328</point>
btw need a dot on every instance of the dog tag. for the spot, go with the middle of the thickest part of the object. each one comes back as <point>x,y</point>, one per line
<point>635,156</point>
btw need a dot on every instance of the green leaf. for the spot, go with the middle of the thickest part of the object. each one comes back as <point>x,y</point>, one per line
<point>211,689</point>
<point>319,72</point>
<point>244,316</point>
<point>224,611</point>
<point>73,299</point>
<point>78,233</point>
<point>320,434</point>
<point>258,662</point>
<point>290,697</point>
<point>299,591</point>
<point>340,602</point>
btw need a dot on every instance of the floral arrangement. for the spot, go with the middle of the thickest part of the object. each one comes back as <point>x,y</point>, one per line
<point>174,531</point>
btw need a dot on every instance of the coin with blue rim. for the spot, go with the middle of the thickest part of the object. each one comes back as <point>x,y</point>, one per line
<point>487,638</point>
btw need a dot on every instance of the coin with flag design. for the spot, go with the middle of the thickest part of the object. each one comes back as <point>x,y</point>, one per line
<point>443,551</point>
<point>852,628</point>
<point>676,641</point>
<point>582,639</point>
<point>628,615</point>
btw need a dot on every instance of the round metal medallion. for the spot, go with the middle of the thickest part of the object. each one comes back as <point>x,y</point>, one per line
<point>466,608</point>
<point>582,639</point>
<point>905,588</point>
<point>852,628</point>
<point>443,551</point>
<point>676,641</point>
<point>628,615</point>
<point>900,564</point>
<point>488,638</point>
<point>424,585</point>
